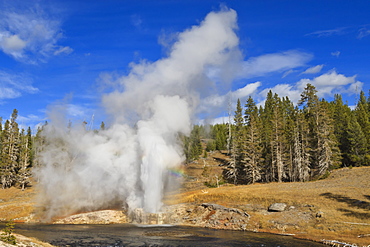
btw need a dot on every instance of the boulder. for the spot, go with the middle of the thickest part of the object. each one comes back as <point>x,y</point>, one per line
<point>277,207</point>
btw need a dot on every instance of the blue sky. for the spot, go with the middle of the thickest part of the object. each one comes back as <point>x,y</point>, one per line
<point>76,51</point>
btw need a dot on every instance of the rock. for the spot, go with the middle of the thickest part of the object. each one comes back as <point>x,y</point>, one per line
<point>319,214</point>
<point>97,217</point>
<point>277,207</point>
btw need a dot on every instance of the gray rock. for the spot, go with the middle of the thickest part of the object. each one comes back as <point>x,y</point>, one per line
<point>277,207</point>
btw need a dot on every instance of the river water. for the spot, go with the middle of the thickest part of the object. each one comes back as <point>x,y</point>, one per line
<point>132,235</point>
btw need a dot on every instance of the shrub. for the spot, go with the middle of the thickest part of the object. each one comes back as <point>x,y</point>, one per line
<point>7,235</point>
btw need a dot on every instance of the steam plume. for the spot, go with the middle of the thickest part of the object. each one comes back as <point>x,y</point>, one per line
<point>128,162</point>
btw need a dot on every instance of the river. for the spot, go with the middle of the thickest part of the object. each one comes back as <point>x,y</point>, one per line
<point>132,235</point>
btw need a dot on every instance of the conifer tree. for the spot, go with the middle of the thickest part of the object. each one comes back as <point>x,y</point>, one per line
<point>340,114</point>
<point>235,167</point>
<point>278,142</point>
<point>266,114</point>
<point>301,150</point>
<point>356,154</point>
<point>363,117</point>
<point>253,148</point>
<point>10,152</point>
<point>328,153</point>
<point>323,146</point>
<point>26,159</point>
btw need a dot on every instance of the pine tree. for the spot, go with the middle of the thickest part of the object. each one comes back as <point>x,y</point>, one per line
<point>340,113</point>
<point>363,117</point>
<point>192,145</point>
<point>10,152</point>
<point>235,167</point>
<point>26,159</point>
<point>289,116</point>
<point>253,148</point>
<point>323,146</point>
<point>219,134</point>
<point>266,114</point>
<point>356,154</point>
<point>328,153</point>
<point>301,150</point>
<point>102,126</point>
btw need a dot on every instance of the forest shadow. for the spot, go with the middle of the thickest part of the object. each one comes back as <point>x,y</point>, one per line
<point>220,160</point>
<point>352,213</point>
<point>349,201</point>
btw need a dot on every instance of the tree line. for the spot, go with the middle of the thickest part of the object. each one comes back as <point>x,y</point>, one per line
<point>16,153</point>
<point>275,142</point>
<point>285,143</point>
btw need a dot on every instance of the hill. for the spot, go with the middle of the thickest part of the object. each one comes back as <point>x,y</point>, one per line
<point>337,207</point>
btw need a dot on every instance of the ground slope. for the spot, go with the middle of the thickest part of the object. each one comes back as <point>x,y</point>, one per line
<point>337,208</point>
<point>334,208</point>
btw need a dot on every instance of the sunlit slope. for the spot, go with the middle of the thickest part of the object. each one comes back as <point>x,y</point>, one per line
<point>334,208</point>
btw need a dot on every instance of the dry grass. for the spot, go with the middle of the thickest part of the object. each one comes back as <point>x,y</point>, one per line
<point>16,204</point>
<point>343,199</point>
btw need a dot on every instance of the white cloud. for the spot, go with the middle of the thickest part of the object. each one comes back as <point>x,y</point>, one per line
<point>12,44</point>
<point>313,70</point>
<point>363,32</point>
<point>288,72</point>
<point>283,90</point>
<point>63,49</point>
<point>30,35</point>
<point>275,62</point>
<point>13,86</point>
<point>136,21</point>
<point>329,32</point>
<point>326,84</point>
<point>218,103</point>
<point>335,53</point>
<point>32,121</point>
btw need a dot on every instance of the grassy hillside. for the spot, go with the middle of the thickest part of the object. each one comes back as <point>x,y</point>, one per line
<point>335,208</point>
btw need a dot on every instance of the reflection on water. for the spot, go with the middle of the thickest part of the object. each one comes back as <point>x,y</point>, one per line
<point>131,235</point>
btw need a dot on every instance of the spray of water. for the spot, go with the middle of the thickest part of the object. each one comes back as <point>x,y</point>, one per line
<point>130,162</point>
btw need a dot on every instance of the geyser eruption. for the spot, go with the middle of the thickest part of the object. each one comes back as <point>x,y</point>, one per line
<point>129,162</point>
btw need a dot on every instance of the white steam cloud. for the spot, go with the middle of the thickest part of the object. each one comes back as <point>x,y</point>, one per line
<point>129,163</point>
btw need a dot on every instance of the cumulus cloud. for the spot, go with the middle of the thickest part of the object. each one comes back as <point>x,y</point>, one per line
<point>326,84</point>
<point>313,70</point>
<point>216,103</point>
<point>30,35</point>
<point>275,62</point>
<point>13,86</point>
<point>330,83</point>
<point>283,90</point>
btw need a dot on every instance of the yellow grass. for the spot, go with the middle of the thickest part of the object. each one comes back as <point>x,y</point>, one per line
<point>16,204</point>
<point>343,199</point>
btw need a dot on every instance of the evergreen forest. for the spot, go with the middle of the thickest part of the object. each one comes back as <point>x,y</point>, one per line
<point>281,142</point>
<point>276,142</point>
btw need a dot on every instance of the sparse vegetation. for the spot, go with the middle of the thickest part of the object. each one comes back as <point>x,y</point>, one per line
<point>7,235</point>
